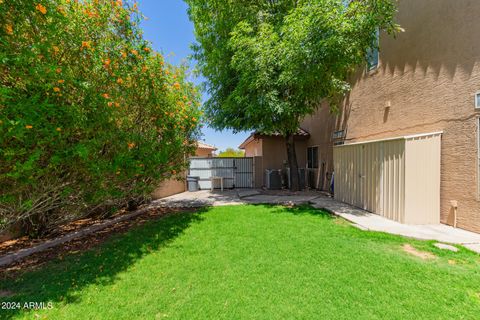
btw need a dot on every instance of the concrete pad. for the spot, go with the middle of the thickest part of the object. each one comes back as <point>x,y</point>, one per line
<point>374,222</point>
<point>445,246</point>
<point>475,247</point>
<point>200,198</point>
<point>247,193</point>
<point>279,199</point>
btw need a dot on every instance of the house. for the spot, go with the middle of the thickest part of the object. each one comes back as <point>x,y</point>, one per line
<point>275,150</point>
<point>420,92</point>
<point>174,186</point>
<point>205,150</point>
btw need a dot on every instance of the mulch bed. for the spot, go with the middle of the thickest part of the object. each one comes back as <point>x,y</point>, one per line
<point>76,245</point>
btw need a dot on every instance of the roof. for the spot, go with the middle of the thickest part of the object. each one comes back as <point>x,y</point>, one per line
<point>201,145</point>
<point>300,133</point>
<point>258,135</point>
<point>413,136</point>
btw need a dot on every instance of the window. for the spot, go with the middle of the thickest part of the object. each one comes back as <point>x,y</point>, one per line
<point>312,157</point>
<point>373,54</point>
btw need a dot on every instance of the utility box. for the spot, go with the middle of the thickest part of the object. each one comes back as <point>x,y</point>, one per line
<point>192,183</point>
<point>273,179</point>
<point>398,178</point>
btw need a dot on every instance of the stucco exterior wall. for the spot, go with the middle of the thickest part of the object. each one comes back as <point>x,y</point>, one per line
<point>426,82</point>
<point>321,126</point>
<point>173,186</point>
<point>254,148</point>
<point>273,153</point>
<point>168,188</point>
<point>204,153</point>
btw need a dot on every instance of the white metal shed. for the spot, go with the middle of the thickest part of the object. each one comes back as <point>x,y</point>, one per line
<point>398,178</point>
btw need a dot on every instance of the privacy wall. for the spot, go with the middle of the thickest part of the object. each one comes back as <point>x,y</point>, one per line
<point>398,178</point>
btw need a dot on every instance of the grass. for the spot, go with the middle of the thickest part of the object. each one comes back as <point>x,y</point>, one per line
<point>253,262</point>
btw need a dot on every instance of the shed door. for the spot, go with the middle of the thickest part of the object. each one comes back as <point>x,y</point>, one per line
<point>368,176</point>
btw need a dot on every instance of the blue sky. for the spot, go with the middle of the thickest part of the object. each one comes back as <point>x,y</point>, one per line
<point>171,32</point>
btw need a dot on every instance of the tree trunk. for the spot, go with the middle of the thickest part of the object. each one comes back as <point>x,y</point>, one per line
<point>292,163</point>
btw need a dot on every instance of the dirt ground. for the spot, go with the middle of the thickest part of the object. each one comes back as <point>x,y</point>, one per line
<point>77,245</point>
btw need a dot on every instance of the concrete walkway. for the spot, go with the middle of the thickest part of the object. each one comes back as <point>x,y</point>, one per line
<point>369,221</point>
<point>235,197</point>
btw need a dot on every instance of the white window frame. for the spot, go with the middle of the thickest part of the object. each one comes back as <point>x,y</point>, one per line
<point>477,100</point>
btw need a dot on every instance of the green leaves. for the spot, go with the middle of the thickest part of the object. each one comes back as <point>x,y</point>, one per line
<point>270,63</point>
<point>85,102</point>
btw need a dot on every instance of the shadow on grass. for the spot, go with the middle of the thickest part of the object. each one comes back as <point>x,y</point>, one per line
<point>61,280</point>
<point>303,209</point>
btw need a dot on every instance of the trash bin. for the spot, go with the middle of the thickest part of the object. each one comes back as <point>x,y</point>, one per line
<point>192,183</point>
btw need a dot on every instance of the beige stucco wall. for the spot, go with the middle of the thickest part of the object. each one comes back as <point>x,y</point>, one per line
<point>174,186</point>
<point>428,75</point>
<point>254,148</point>
<point>168,188</point>
<point>321,125</point>
<point>274,155</point>
<point>204,153</point>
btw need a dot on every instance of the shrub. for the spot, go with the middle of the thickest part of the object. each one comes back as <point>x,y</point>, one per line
<point>90,116</point>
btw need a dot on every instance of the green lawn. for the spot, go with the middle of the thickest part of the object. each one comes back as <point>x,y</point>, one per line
<point>254,262</point>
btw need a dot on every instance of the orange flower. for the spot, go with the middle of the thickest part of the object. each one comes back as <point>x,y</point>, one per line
<point>124,54</point>
<point>59,129</point>
<point>28,126</point>
<point>119,3</point>
<point>41,8</point>
<point>117,104</point>
<point>131,145</point>
<point>61,81</point>
<point>106,96</point>
<point>135,52</point>
<point>146,49</point>
<point>119,80</point>
<point>107,62</point>
<point>85,44</point>
<point>176,85</point>
<point>194,119</point>
<point>55,49</point>
<point>58,70</point>
<point>110,104</point>
<point>56,89</point>
<point>144,69</point>
<point>9,29</point>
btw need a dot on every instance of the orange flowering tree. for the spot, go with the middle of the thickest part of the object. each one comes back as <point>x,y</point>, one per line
<point>90,116</point>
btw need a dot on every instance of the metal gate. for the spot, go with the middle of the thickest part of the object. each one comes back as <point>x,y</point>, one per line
<point>236,172</point>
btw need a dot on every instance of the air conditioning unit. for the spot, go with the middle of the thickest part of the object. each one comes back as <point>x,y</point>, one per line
<point>273,179</point>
